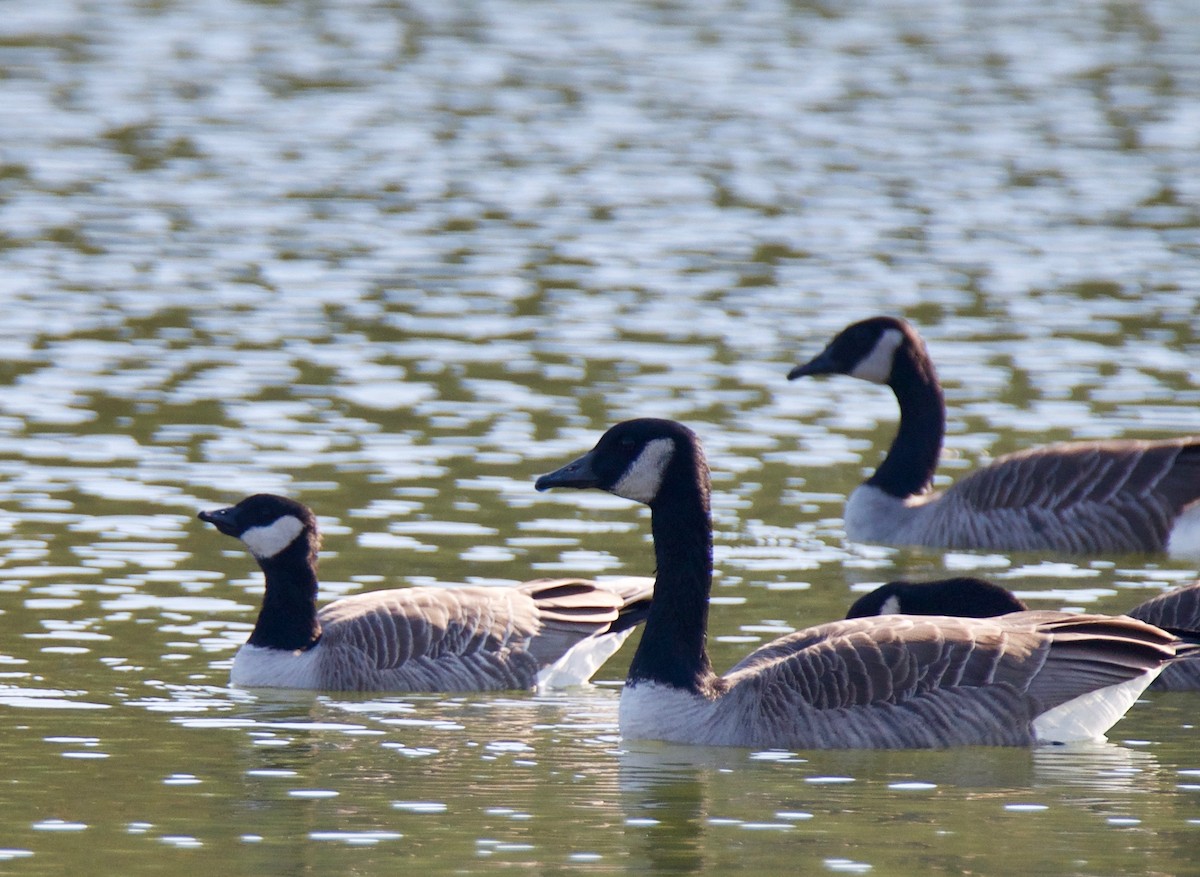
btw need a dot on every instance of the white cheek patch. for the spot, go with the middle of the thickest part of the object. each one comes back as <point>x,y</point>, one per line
<point>876,366</point>
<point>890,606</point>
<point>644,476</point>
<point>273,538</point>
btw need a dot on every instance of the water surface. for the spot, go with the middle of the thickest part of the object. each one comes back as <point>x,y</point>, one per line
<point>397,259</point>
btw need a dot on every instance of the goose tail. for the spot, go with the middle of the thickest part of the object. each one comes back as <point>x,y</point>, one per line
<point>585,623</point>
<point>1142,657</point>
<point>581,661</point>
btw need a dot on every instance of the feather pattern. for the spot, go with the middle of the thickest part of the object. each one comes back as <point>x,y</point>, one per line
<point>421,639</point>
<point>873,682</point>
<point>1076,497</point>
<point>1177,611</point>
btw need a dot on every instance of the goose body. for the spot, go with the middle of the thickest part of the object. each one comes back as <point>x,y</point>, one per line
<point>1074,497</point>
<point>549,632</point>
<point>1177,610</point>
<point>881,682</point>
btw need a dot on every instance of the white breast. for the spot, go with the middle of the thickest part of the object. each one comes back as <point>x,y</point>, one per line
<point>257,667</point>
<point>650,711</point>
<point>871,515</point>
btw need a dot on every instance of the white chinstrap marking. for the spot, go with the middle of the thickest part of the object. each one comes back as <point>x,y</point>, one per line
<point>643,478</point>
<point>891,606</point>
<point>876,367</point>
<point>267,541</point>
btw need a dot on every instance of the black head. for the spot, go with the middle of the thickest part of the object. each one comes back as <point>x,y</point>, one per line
<point>865,350</point>
<point>632,460</point>
<point>964,597</point>
<point>267,524</point>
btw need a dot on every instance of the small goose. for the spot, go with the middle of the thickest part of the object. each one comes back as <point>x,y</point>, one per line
<point>1076,497</point>
<point>1177,610</point>
<point>886,682</point>
<point>550,632</point>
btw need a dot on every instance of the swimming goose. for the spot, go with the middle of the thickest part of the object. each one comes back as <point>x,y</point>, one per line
<point>964,596</point>
<point>1177,610</point>
<point>548,632</point>
<point>892,681</point>
<point>1077,497</point>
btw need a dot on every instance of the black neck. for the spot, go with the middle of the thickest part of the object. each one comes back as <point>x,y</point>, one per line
<point>908,468</point>
<point>672,649</point>
<point>288,618</point>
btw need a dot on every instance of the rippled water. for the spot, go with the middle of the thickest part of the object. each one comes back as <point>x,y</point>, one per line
<point>396,259</point>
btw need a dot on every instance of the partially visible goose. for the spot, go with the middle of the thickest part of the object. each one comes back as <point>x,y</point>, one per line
<point>1077,497</point>
<point>547,632</point>
<point>964,596</point>
<point>1177,611</point>
<point>886,682</point>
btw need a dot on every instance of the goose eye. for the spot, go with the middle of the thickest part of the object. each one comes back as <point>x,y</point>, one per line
<point>627,445</point>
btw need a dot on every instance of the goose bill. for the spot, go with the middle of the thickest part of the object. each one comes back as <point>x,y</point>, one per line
<point>225,520</point>
<point>575,474</point>
<point>821,364</point>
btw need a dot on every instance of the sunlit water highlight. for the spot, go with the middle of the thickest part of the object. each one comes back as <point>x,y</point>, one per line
<point>398,259</point>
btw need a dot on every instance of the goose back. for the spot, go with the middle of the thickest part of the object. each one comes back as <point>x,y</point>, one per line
<point>1176,611</point>
<point>1080,497</point>
<point>1074,497</point>
<point>429,639</point>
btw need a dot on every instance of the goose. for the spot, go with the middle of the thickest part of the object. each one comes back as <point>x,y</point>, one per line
<point>1075,497</point>
<point>1177,610</point>
<point>892,681</point>
<point>548,632</point>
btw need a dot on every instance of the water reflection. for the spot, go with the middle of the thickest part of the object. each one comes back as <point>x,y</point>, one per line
<point>397,259</point>
<point>1101,766</point>
<point>682,799</point>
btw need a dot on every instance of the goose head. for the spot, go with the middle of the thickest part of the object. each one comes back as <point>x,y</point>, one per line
<point>636,459</point>
<point>268,525</point>
<point>866,350</point>
<point>964,597</point>
<point>661,463</point>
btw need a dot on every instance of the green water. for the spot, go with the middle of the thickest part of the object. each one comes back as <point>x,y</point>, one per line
<point>397,259</point>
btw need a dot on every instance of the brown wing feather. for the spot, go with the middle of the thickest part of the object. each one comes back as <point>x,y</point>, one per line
<point>1115,495</point>
<point>571,609</point>
<point>468,638</point>
<point>394,627</point>
<point>902,680</point>
<point>893,657</point>
<point>1178,610</point>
